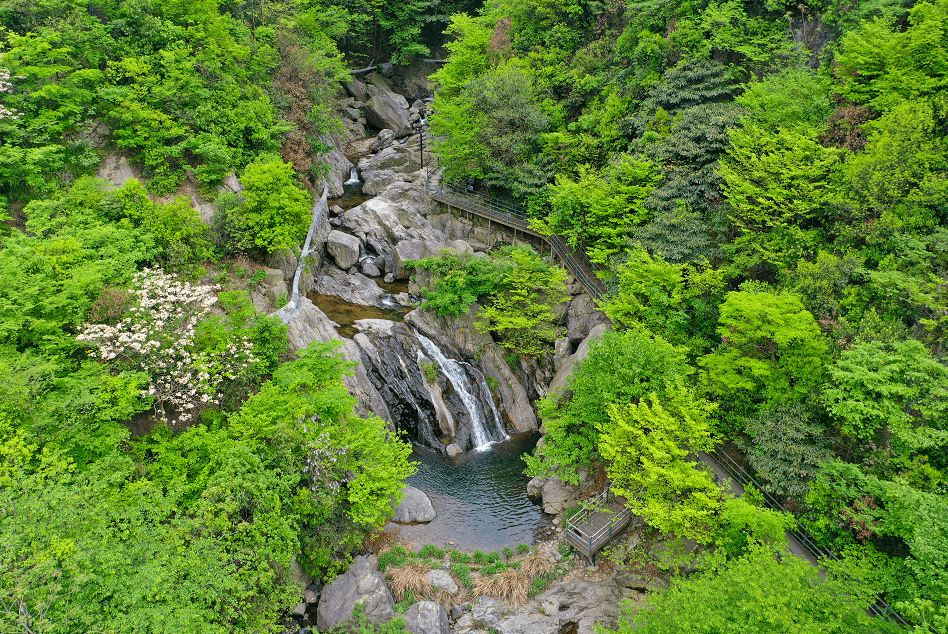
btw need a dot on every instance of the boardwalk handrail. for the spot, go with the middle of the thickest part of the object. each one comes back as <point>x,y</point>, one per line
<point>575,526</point>
<point>880,608</point>
<point>512,215</point>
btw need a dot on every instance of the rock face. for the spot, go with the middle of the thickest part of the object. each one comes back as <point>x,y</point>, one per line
<point>344,248</point>
<point>427,617</point>
<point>339,167</point>
<point>582,352</point>
<point>308,324</point>
<point>441,579</point>
<point>116,170</point>
<point>361,583</point>
<point>582,317</point>
<point>385,111</point>
<point>415,507</point>
<point>557,495</point>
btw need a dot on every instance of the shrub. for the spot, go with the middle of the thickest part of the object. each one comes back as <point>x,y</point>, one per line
<point>459,557</point>
<point>394,557</point>
<point>430,370</point>
<point>463,572</point>
<point>432,551</point>
<point>523,549</point>
<point>508,552</point>
<point>479,557</point>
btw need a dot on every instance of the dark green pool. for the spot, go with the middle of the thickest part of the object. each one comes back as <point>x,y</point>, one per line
<point>480,497</point>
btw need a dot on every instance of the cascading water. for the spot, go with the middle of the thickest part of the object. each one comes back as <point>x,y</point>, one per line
<point>353,177</point>
<point>458,376</point>
<point>502,433</point>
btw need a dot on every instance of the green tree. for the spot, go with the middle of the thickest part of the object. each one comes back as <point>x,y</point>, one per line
<point>771,349</point>
<point>622,368</point>
<point>775,184</point>
<point>276,213</point>
<point>895,390</point>
<point>761,592</point>
<point>601,208</point>
<point>647,447</point>
<point>458,280</point>
<point>521,309</point>
<point>676,301</point>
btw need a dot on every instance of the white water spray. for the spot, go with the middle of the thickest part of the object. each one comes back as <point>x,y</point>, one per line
<point>459,380</point>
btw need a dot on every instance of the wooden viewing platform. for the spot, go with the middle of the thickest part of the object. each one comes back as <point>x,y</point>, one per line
<point>605,517</point>
<point>512,216</point>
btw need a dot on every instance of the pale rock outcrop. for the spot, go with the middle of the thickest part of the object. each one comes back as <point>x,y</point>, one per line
<point>344,248</point>
<point>384,110</point>
<point>557,496</point>
<point>414,507</point>
<point>361,583</point>
<point>427,617</point>
<point>582,317</point>
<point>582,352</point>
<point>307,324</point>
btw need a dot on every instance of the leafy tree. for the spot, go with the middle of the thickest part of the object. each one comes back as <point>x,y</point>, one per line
<point>492,126</point>
<point>742,525</point>
<point>761,591</point>
<point>521,310</point>
<point>786,445</point>
<point>601,208</point>
<point>894,389</point>
<point>276,213</point>
<point>775,184</point>
<point>647,447</point>
<point>676,301</point>
<point>795,99</point>
<point>622,368</point>
<point>771,349</point>
<point>458,280</point>
<point>469,54</point>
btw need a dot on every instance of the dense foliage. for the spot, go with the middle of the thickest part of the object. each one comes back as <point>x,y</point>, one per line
<point>764,186</point>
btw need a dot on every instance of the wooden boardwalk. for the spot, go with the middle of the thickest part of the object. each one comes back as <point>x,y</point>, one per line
<point>510,215</point>
<point>605,517</point>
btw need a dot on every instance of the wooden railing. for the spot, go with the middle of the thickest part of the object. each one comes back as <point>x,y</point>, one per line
<point>880,608</point>
<point>577,527</point>
<point>512,215</point>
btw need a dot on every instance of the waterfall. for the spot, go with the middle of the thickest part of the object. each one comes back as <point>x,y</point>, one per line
<point>502,433</point>
<point>458,376</point>
<point>353,177</point>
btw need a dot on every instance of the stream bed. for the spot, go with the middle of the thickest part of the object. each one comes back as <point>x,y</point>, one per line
<point>480,497</point>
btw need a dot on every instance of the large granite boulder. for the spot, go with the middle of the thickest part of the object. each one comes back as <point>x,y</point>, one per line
<point>587,603</point>
<point>582,317</point>
<point>384,111</point>
<point>340,167</point>
<point>361,583</point>
<point>414,507</point>
<point>442,580</point>
<point>582,352</point>
<point>427,617</point>
<point>557,495</point>
<point>344,248</point>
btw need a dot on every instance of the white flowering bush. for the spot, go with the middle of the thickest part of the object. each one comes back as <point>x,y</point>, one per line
<point>7,86</point>
<point>158,337</point>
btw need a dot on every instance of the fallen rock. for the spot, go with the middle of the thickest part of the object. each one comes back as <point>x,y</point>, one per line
<point>344,248</point>
<point>361,583</point>
<point>427,617</point>
<point>357,89</point>
<point>442,579</point>
<point>582,317</point>
<point>383,140</point>
<point>383,111</point>
<point>414,507</point>
<point>369,268</point>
